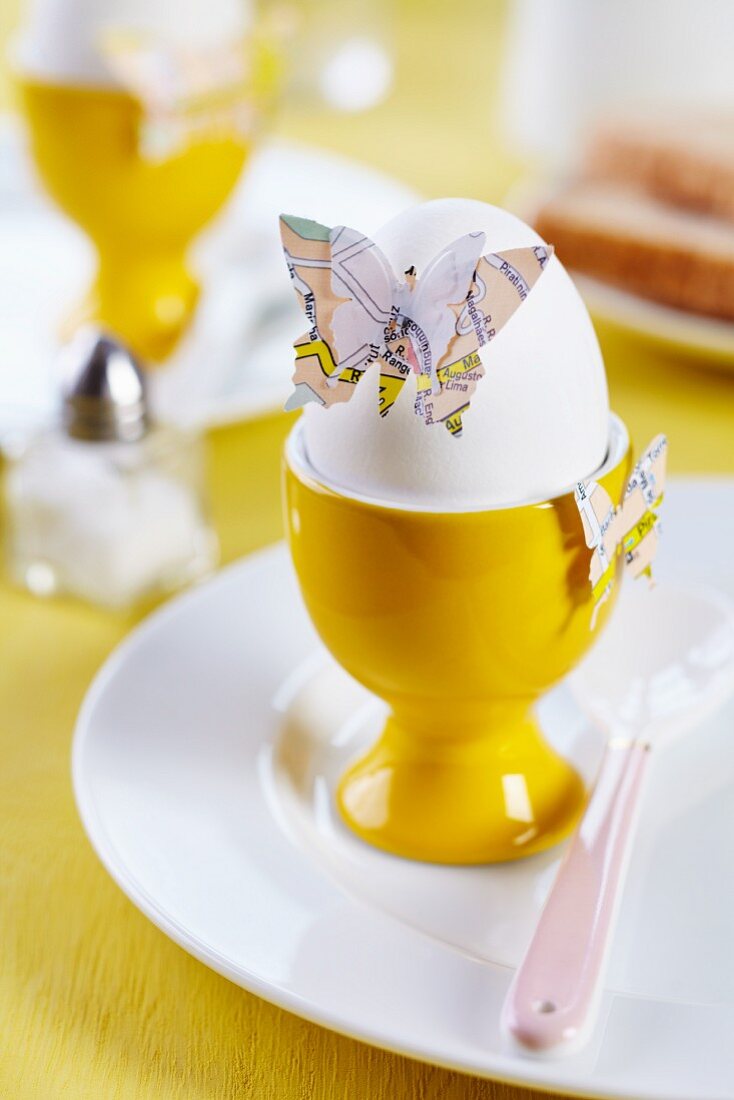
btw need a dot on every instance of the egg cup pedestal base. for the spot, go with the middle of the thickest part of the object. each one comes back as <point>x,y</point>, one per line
<point>462,792</point>
<point>146,302</point>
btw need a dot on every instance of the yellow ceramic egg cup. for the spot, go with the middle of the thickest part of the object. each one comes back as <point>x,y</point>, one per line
<point>459,621</point>
<point>140,214</point>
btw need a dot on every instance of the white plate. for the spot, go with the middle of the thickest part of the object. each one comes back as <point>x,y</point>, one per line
<point>203,763</point>
<point>705,338</point>
<point>237,359</point>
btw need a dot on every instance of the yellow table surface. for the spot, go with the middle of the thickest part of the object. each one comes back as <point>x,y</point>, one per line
<point>94,1001</point>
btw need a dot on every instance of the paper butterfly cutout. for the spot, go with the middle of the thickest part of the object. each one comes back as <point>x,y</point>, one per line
<point>632,528</point>
<point>361,312</point>
<point>185,93</point>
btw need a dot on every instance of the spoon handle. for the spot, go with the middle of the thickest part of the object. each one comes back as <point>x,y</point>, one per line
<point>552,1000</point>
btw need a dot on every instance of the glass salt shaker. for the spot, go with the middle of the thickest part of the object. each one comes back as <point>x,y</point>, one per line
<point>107,505</point>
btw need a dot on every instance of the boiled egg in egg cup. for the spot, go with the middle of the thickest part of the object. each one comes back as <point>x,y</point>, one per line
<point>450,576</point>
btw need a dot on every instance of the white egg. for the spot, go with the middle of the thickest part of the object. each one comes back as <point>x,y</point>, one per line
<point>59,39</point>
<point>538,421</point>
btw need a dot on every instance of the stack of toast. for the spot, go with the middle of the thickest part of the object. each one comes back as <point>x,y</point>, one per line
<point>651,210</point>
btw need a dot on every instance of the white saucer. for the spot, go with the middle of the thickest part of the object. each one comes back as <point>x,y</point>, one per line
<point>203,761</point>
<point>236,360</point>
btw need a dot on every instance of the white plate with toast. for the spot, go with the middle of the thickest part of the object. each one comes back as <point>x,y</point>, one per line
<point>645,264</point>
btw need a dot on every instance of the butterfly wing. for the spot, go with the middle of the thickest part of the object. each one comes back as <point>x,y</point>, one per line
<point>639,521</point>
<point>345,286</point>
<point>364,282</point>
<point>307,249</point>
<point>599,519</point>
<point>502,282</point>
<point>445,283</point>
<point>428,312</point>
<point>633,526</point>
<point>182,91</point>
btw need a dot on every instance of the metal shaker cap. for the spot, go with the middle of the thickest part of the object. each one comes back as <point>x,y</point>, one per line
<point>103,390</point>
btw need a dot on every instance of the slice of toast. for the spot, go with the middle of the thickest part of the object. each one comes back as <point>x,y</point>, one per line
<point>686,159</point>
<point>660,252</point>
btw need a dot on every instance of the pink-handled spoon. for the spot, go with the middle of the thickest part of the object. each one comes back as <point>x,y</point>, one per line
<point>664,662</point>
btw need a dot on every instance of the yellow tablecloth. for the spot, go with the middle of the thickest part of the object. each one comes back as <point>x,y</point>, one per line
<point>94,1001</point>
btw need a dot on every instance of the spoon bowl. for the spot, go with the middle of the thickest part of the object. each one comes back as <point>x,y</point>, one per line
<point>665,660</point>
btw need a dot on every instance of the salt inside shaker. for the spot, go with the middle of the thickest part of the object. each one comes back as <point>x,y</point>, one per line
<point>107,505</point>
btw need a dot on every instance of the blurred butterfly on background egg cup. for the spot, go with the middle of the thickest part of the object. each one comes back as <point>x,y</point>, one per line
<point>459,621</point>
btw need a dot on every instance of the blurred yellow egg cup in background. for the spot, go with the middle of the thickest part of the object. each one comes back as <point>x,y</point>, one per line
<point>141,214</point>
<point>459,621</point>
